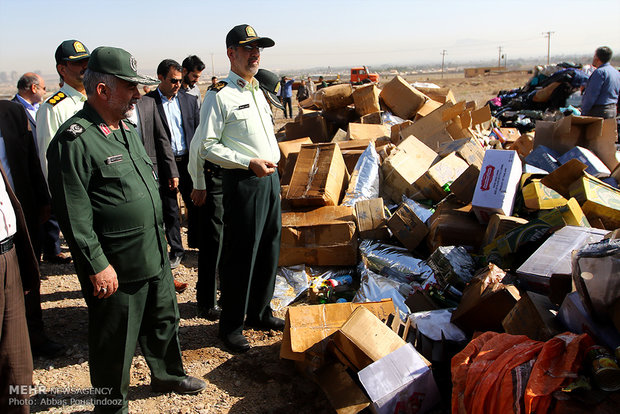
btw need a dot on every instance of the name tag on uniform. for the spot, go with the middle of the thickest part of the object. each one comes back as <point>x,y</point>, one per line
<point>244,106</point>
<point>114,158</point>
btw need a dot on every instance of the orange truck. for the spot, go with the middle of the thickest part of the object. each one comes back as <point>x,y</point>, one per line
<point>361,75</point>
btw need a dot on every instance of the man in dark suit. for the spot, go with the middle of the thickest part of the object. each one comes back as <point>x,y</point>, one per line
<point>21,163</point>
<point>19,273</point>
<point>148,123</point>
<point>180,115</point>
<point>30,91</point>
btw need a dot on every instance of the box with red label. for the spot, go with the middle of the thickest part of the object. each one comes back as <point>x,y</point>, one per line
<point>497,184</point>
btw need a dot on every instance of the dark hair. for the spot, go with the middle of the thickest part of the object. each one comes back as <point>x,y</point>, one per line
<point>603,54</point>
<point>164,67</point>
<point>192,63</point>
<point>213,78</point>
<point>26,81</point>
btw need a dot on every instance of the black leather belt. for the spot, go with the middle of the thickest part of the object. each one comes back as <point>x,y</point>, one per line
<point>6,244</point>
<point>179,158</point>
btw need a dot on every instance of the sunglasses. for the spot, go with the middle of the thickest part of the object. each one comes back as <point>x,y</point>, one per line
<point>175,81</point>
<point>250,48</point>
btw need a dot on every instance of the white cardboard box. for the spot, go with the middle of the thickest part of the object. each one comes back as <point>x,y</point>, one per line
<point>400,382</point>
<point>497,184</point>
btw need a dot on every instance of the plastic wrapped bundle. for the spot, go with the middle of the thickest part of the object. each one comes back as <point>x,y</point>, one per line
<point>423,212</point>
<point>395,263</point>
<point>364,182</point>
<point>374,287</point>
<point>453,267</point>
<point>291,282</point>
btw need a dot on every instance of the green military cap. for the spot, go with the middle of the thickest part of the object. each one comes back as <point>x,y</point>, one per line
<point>71,50</point>
<point>118,62</point>
<point>244,34</point>
<point>269,83</point>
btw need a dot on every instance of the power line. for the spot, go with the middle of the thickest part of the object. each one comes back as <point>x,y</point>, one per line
<point>548,36</point>
<point>443,56</point>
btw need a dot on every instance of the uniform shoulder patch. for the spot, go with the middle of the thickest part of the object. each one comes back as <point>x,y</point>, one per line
<point>217,87</point>
<point>59,96</point>
<point>75,129</point>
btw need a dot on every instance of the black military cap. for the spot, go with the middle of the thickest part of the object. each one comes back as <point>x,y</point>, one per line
<point>71,50</point>
<point>270,84</point>
<point>244,34</point>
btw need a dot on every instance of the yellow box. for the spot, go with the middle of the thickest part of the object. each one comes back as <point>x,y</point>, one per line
<point>538,196</point>
<point>598,200</point>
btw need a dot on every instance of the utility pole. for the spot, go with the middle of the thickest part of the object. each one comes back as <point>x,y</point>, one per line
<point>548,35</point>
<point>499,57</point>
<point>443,57</point>
<point>212,66</point>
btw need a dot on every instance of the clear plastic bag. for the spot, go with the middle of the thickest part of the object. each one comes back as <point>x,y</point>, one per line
<point>364,182</point>
<point>291,282</point>
<point>374,287</point>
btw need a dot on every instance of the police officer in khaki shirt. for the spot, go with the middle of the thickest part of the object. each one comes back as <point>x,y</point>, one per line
<point>106,196</point>
<point>236,133</point>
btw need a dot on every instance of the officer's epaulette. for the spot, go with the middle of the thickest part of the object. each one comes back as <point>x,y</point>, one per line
<point>59,96</point>
<point>217,87</point>
<point>75,129</point>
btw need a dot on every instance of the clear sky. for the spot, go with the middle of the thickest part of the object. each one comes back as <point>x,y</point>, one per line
<point>309,33</point>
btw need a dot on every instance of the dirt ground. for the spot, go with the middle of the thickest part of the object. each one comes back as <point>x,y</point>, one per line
<point>254,382</point>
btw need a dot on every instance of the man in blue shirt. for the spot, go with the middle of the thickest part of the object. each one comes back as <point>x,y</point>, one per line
<point>600,97</point>
<point>30,91</point>
<point>287,95</point>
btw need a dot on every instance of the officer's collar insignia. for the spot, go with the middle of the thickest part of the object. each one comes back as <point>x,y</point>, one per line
<point>75,129</point>
<point>125,126</point>
<point>241,83</point>
<point>104,128</point>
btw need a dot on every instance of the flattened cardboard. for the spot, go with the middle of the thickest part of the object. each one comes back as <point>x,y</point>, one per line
<point>467,148</point>
<point>371,219</point>
<point>342,392</point>
<point>497,184</point>
<point>320,177</point>
<point>366,99</point>
<point>407,227</point>
<point>323,236</point>
<point>306,326</point>
<point>561,179</point>
<point>403,99</point>
<point>431,129</point>
<point>364,338</point>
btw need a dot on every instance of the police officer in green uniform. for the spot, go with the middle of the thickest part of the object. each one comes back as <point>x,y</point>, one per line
<point>236,133</point>
<point>106,196</point>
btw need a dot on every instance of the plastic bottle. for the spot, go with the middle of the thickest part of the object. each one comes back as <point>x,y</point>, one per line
<point>340,280</point>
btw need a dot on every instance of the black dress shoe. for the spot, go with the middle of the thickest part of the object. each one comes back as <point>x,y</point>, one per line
<point>270,323</point>
<point>60,258</point>
<point>212,314</point>
<point>48,349</point>
<point>188,385</point>
<point>235,342</point>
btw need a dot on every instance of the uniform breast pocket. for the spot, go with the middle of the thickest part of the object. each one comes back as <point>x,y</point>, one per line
<point>118,182</point>
<point>238,118</point>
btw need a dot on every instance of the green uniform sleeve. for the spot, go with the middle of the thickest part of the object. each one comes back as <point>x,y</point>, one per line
<point>69,175</point>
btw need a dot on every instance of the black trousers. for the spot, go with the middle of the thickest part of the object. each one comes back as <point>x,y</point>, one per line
<point>288,102</point>
<point>171,210</point>
<point>251,249</point>
<point>604,111</point>
<point>211,217</point>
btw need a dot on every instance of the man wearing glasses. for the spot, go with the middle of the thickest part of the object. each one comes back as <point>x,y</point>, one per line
<point>236,133</point>
<point>180,115</point>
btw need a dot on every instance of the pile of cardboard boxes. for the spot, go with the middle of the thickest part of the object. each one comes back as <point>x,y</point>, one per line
<point>512,206</point>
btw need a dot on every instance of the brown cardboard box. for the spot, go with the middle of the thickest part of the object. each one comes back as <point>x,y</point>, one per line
<point>420,301</point>
<point>336,96</point>
<point>485,302</point>
<point>395,135</point>
<point>307,326</point>
<point>371,219</point>
<point>372,118</point>
<point>454,225</point>
<point>343,393</point>
<point>562,177</point>
<point>289,151</point>
<point>321,237</point>
<point>441,95</point>
<point>352,149</point>
<point>364,338</point>
<point>467,148</point>
<point>428,107</point>
<point>523,145</point>
<point>431,129</point>
<point>439,174</point>
<point>464,186</point>
<point>403,99</point>
<point>532,316</point>
<point>596,134</point>
<point>366,99</point>
<point>314,127</point>
<point>407,227</point>
<point>500,224</point>
<point>597,200</point>
<point>511,135</point>
<point>320,177</point>
<point>368,131</point>
<point>406,163</point>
